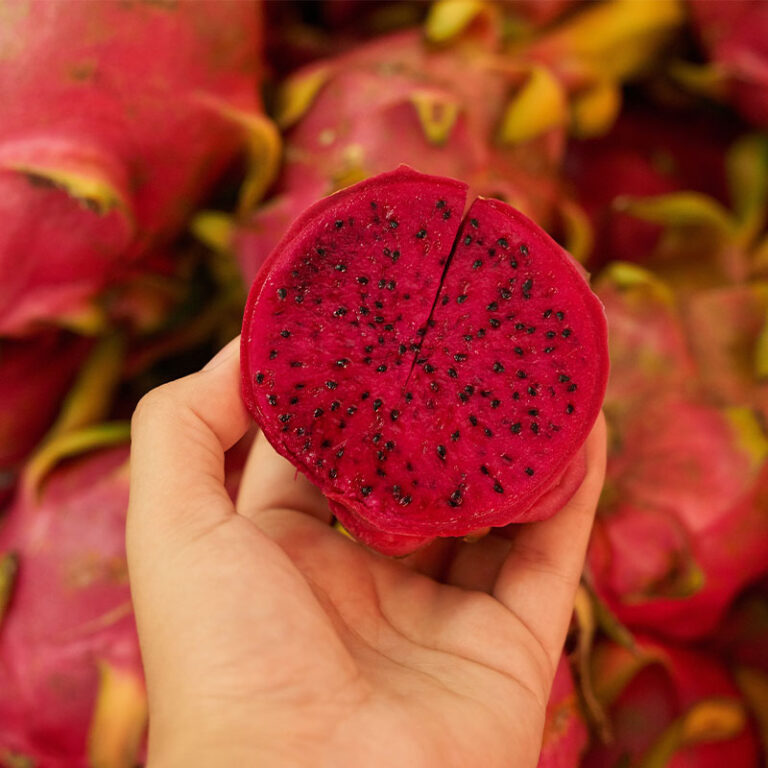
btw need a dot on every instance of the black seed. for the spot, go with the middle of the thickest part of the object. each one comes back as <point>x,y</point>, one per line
<point>445,299</point>
<point>459,357</point>
<point>523,249</point>
<point>513,264</point>
<point>405,501</point>
<point>381,368</point>
<point>320,251</point>
<point>462,298</point>
<point>381,456</point>
<point>566,332</point>
<point>505,294</point>
<point>488,432</point>
<point>492,307</point>
<point>332,474</point>
<point>396,491</point>
<point>319,412</point>
<point>533,411</point>
<point>481,332</point>
<point>331,384</point>
<point>343,362</point>
<point>515,395</point>
<point>366,490</point>
<point>300,431</point>
<point>516,428</point>
<point>532,391</point>
<point>477,264</point>
<point>293,400</point>
<point>519,326</point>
<point>351,410</point>
<point>365,395</point>
<point>390,445</point>
<point>571,387</point>
<point>281,293</point>
<point>285,333</point>
<point>364,311</point>
<point>341,267</point>
<point>468,337</point>
<point>455,499</point>
<point>560,315</point>
<point>377,404</point>
<point>393,224</point>
<point>429,368</point>
<point>389,327</point>
<point>452,373</point>
<point>469,389</point>
<point>367,360</point>
<point>463,397</point>
<point>380,472</point>
<point>381,283</point>
<point>493,322</point>
<point>547,314</point>
<point>467,240</point>
<point>402,349</point>
<point>434,386</point>
<point>391,285</point>
<point>325,444</point>
<point>550,334</point>
<point>455,436</point>
<point>547,350</point>
<point>340,452</point>
<point>362,280</point>
<point>271,399</point>
<point>498,367</point>
<point>318,462</point>
<point>395,257</point>
<point>502,242</point>
<point>518,350</point>
<point>528,284</point>
<point>534,428</point>
<point>296,364</point>
<point>440,204</point>
<point>563,378</point>
<point>259,377</point>
<point>484,469</point>
<point>441,451</point>
<point>335,405</point>
<point>531,329</point>
<point>495,403</point>
<point>408,397</point>
<point>473,420</point>
<point>394,415</point>
<point>522,375</point>
<point>569,408</point>
<point>409,466</point>
<point>497,487</point>
<point>421,234</point>
<point>529,471</point>
<point>298,298</point>
<point>339,223</point>
<point>378,319</point>
<point>377,438</point>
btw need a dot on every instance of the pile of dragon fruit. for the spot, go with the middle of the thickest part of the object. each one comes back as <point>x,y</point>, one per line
<point>152,157</point>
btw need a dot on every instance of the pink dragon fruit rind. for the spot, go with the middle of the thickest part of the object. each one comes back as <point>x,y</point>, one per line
<point>329,255</point>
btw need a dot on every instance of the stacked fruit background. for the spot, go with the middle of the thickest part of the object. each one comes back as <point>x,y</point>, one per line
<point>152,154</point>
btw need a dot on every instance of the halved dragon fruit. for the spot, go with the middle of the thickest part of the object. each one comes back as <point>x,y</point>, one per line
<point>71,686</point>
<point>433,374</point>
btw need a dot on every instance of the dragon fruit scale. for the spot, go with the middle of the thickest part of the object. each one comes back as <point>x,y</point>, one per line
<point>432,375</point>
<point>669,706</point>
<point>117,117</point>
<point>71,685</point>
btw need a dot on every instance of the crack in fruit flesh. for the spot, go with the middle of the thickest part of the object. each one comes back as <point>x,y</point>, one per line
<point>432,374</point>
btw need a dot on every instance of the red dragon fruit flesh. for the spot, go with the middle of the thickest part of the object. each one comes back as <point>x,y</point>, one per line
<point>433,375</point>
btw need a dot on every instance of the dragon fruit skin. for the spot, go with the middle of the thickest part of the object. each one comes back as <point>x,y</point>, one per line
<point>30,399</point>
<point>734,34</point>
<point>70,614</point>
<point>651,691</point>
<point>301,361</point>
<point>444,107</point>
<point>565,733</point>
<point>685,501</point>
<point>104,150</point>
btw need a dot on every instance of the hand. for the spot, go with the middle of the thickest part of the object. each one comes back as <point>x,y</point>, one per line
<point>271,639</point>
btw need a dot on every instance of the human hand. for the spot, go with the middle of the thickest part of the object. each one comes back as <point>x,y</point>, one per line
<point>270,639</point>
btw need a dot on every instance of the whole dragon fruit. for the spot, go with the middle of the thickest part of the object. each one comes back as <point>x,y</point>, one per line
<point>30,400</point>
<point>734,35</point>
<point>670,707</point>
<point>432,375</point>
<point>71,686</point>
<point>117,117</point>
<point>399,100</point>
<point>682,524</point>
<point>565,733</point>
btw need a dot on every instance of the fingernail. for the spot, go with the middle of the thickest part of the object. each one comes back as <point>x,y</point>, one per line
<point>222,355</point>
